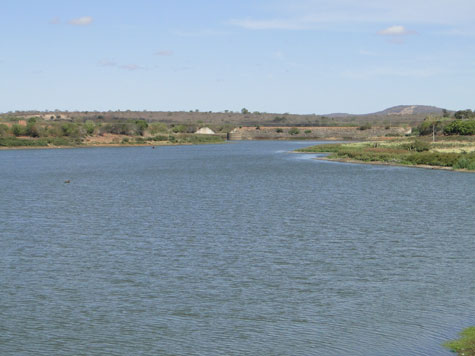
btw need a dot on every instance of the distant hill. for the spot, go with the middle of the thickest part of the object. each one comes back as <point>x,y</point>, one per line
<point>400,110</point>
<point>410,110</point>
<point>402,115</point>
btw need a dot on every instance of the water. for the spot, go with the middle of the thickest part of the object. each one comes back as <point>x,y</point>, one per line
<point>236,249</point>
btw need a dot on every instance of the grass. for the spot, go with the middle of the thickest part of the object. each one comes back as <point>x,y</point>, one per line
<point>38,142</point>
<point>17,142</point>
<point>452,154</point>
<point>465,345</point>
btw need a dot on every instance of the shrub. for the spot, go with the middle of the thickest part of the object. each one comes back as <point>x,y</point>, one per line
<point>366,126</point>
<point>141,126</point>
<point>120,128</point>
<point>157,127</point>
<point>18,130</point>
<point>465,163</point>
<point>179,128</point>
<point>3,130</point>
<point>279,130</point>
<point>89,126</point>
<point>160,138</point>
<point>417,145</point>
<point>294,131</point>
<point>70,129</point>
<point>308,132</point>
<point>460,127</point>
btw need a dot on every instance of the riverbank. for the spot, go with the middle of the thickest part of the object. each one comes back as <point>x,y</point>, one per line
<point>465,345</point>
<point>108,140</point>
<point>447,154</point>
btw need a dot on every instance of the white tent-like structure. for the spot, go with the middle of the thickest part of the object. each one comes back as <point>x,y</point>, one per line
<point>205,131</point>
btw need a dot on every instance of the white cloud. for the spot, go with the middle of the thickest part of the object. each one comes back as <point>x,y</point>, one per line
<point>394,31</point>
<point>113,64</point>
<point>364,52</point>
<point>164,53</point>
<point>55,21</point>
<point>272,24</point>
<point>313,14</point>
<point>391,72</point>
<point>199,33</point>
<point>81,21</point>
<point>107,63</point>
<point>131,67</point>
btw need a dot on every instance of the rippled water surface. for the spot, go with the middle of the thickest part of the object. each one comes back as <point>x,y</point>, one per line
<point>239,249</point>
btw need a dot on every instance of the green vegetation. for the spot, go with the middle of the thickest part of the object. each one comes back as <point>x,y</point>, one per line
<point>452,154</point>
<point>294,131</point>
<point>39,132</point>
<point>460,127</point>
<point>365,126</point>
<point>465,345</point>
<point>464,114</point>
<point>41,142</point>
<point>450,127</point>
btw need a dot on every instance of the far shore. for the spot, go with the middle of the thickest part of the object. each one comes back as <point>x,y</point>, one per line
<point>447,154</point>
<point>381,163</point>
<point>103,145</point>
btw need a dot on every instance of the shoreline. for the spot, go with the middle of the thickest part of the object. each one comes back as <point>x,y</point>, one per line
<point>381,163</point>
<point>105,145</point>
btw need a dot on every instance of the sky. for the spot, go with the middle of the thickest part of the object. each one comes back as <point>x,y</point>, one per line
<point>296,56</point>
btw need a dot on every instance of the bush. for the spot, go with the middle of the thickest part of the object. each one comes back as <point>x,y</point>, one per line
<point>18,130</point>
<point>294,131</point>
<point>430,125</point>
<point>157,127</point>
<point>417,145</point>
<point>279,130</point>
<point>120,128</point>
<point>89,126</point>
<point>3,130</point>
<point>179,128</point>
<point>159,138</point>
<point>465,163</point>
<point>460,127</point>
<point>141,126</point>
<point>366,126</point>
<point>308,132</point>
<point>70,129</point>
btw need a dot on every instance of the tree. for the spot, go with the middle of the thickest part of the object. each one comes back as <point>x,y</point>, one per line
<point>244,111</point>
<point>18,130</point>
<point>89,126</point>
<point>3,130</point>
<point>141,126</point>
<point>464,114</point>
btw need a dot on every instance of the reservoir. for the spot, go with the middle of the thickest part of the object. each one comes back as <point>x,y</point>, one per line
<point>233,249</point>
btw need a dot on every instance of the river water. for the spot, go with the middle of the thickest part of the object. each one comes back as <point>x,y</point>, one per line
<point>234,249</point>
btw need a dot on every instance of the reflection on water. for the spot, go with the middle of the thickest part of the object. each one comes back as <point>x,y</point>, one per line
<point>230,249</point>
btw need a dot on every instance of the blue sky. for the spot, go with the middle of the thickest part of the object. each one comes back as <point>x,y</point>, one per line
<point>299,56</point>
